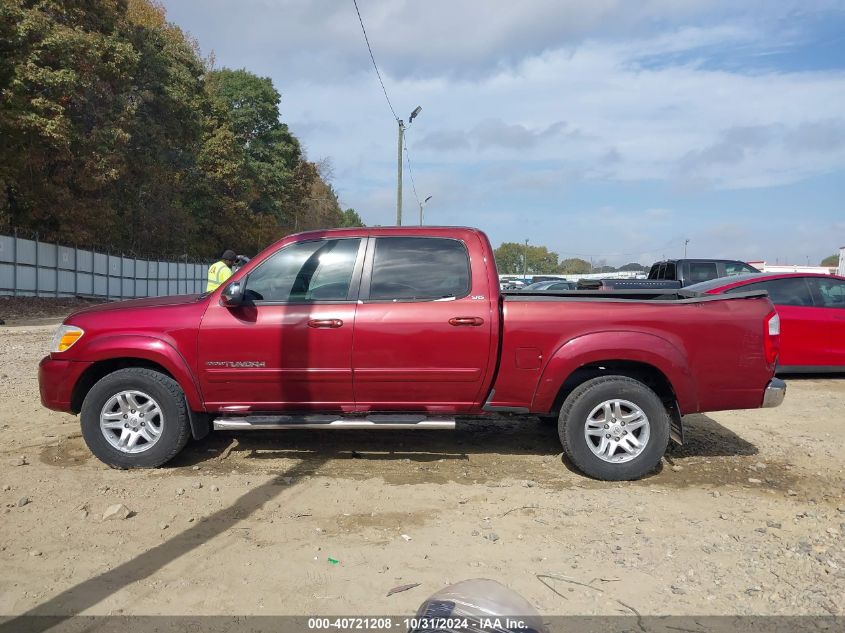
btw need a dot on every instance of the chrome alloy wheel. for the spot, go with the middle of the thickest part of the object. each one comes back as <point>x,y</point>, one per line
<point>131,421</point>
<point>617,431</point>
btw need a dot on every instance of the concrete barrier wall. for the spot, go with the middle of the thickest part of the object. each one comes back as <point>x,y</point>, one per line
<point>38,269</point>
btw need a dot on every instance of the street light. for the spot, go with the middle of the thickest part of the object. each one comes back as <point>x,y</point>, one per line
<point>424,202</point>
<point>414,114</point>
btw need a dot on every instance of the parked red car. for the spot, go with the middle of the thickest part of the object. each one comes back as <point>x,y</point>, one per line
<point>812,316</point>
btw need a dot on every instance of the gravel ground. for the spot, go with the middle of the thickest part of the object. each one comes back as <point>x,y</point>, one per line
<point>747,518</point>
<point>34,310</point>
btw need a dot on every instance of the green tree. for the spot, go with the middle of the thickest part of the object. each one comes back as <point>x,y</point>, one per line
<point>574,266</point>
<point>249,105</point>
<point>65,113</point>
<point>165,134</point>
<point>633,266</point>
<point>351,219</point>
<point>831,260</point>
<point>114,131</point>
<point>510,259</point>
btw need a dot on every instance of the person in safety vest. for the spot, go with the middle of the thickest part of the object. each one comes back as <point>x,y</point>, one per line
<point>220,271</point>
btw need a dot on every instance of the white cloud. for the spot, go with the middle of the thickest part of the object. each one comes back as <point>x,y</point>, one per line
<point>676,122</point>
<point>527,103</point>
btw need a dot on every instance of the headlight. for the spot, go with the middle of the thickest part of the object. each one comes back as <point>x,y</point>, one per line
<point>65,337</point>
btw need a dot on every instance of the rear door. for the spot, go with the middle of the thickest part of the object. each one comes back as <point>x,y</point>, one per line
<point>423,326</point>
<point>829,298</point>
<point>803,327</point>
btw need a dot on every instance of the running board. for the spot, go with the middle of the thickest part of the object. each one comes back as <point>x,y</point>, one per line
<point>387,422</point>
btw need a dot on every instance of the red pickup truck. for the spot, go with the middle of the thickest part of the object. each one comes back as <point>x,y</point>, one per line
<point>406,328</point>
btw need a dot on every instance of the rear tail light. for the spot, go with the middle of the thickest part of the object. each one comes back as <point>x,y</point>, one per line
<point>772,338</point>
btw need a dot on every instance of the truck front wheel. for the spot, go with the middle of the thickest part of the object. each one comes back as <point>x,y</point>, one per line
<point>614,428</point>
<point>135,418</point>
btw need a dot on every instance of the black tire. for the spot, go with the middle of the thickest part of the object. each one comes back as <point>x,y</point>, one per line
<point>590,394</point>
<point>175,429</point>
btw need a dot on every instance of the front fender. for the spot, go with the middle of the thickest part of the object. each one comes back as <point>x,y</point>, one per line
<point>150,348</point>
<point>617,345</point>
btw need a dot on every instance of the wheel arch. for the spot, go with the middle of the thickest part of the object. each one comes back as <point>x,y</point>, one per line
<point>200,421</point>
<point>101,369</point>
<point>645,357</point>
<point>108,354</point>
<point>647,374</point>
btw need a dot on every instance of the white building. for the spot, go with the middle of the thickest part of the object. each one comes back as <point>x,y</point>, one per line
<point>795,268</point>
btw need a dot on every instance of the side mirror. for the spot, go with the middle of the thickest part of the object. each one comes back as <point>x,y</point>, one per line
<point>233,294</point>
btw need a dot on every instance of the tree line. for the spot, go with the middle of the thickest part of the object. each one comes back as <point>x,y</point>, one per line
<point>115,131</point>
<point>513,258</point>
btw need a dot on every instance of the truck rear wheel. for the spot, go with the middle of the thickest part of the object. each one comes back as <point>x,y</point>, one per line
<point>614,428</point>
<point>135,418</point>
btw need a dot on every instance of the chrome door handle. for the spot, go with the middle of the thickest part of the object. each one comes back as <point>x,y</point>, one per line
<point>458,321</point>
<point>325,323</point>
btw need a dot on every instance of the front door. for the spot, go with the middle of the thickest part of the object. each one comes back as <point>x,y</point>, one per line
<point>289,347</point>
<point>423,327</point>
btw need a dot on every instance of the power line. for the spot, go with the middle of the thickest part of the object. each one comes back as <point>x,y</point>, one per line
<point>411,174</point>
<point>369,48</point>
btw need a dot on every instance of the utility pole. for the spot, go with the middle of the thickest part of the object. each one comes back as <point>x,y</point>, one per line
<point>525,262</point>
<point>686,241</point>
<point>399,174</point>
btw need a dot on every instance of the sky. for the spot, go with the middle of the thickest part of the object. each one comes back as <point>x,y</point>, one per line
<point>610,130</point>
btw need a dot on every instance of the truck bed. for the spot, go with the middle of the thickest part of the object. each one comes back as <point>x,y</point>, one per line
<point>710,348</point>
<point>678,295</point>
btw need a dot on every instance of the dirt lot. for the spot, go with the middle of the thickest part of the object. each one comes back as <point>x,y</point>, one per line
<point>747,518</point>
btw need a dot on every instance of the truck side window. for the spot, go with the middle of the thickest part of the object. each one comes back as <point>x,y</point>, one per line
<point>669,273</point>
<point>305,271</point>
<point>702,271</point>
<point>419,268</point>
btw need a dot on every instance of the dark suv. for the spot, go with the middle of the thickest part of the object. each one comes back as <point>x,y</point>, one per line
<point>693,271</point>
<point>673,273</point>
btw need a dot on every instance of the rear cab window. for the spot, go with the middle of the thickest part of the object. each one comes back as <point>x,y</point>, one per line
<point>702,271</point>
<point>419,269</point>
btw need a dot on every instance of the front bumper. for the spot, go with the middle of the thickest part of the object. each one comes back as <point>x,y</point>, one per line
<point>774,394</point>
<point>56,380</point>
